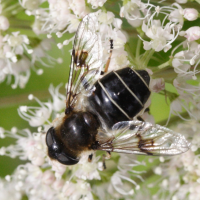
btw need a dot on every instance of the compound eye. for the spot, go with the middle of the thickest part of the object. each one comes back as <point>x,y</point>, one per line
<point>49,137</point>
<point>66,160</point>
<point>51,141</point>
<point>55,149</point>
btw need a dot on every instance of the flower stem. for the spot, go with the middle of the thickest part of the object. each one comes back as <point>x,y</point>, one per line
<point>9,10</point>
<point>167,73</point>
<point>139,42</point>
<point>131,57</point>
<point>147,56</point>
<point>174,119</point>
<point>166,64</point>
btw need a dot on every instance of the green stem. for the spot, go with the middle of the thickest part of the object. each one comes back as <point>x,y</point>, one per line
<point>166,64</point>
<point>125,2</point>
<point>147,56</point>
<point>171,95</point>
<point>5,3</point>
<point>20,99</point>
<point>173,120</point>
<point>138,48</point>
<point>130,54</point>
<point>166,73</point>
<point>19,22</point>
<point>10,8</point>
<point>169,3</point>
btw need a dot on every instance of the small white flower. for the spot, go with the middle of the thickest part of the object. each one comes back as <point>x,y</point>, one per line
<point>106,18</point>
<point>58,184</point>
<point>15,39</point>
<point>158,170</point>
<point>160,37</point>
<point>4,23</point>
<point>2,132</point>
<point>184,59</point>
<point>148,118</point>
<point>193,33</point>
<point>48,177</point>
<point>21,72</point>
<point>190,14</point>
<point>40,51</point>
<point>78,7</point>
<point>181,1</point>
<point>36,116</point>
<point>162,34</point>
<point>176,16</point>
<point>117,23</point>
<point>79,190</point>
<point>117,183</point>
<point>157,85</point>
<point>58,168</point>
<point>178,62</point>
<point>27,146</point>
<point>30,4</point>
<point>38,26</point>
<point>73,24</point>
<point>58,99</point>
<point>133,11</point>
<point>96,3</point>
<point>60,16</point>
<point>88,170</point>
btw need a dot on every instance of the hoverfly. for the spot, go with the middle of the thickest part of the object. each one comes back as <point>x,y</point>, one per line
<point>101,113</point>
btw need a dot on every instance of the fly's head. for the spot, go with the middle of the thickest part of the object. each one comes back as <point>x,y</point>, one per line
<point>75,134</point>
<point>57,150</point>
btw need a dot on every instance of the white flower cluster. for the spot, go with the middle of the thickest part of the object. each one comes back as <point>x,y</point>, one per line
<point>64,17</point>
<point>42,178</point>
<point>60,15</point>
<point>110,28</point>
<point>185,63</point>
<point>180,176</point>
<point>161,33</point>
<point>159,27</point>
<point>19,52</point>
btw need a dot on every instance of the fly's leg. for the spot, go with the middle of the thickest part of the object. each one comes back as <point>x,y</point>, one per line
<point>107,156</point>
<point>109,58</point>
<point>90,158</point>
<point>104,162</point>
<point>102,72</point>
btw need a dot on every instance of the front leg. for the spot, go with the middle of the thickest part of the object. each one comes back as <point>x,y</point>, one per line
<point>107,156</point>
<point>90,157</point>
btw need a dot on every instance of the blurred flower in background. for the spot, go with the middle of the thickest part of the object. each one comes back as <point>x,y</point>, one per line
<point>20,52</point>
<point>160,37</point>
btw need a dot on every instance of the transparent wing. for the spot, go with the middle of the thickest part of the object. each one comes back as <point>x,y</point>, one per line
<point>86,60</point>
<point>137,137</point>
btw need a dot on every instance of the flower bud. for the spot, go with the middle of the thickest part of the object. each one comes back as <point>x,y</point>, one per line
<point>181,1</point>
<point>157,85</point>
<point>106,18</point>
<point>48,177</point>
<point>30,4</point>
<point>58,184</point>
<point>4,23</point>
<point>190,14</point>
<point>193,33</point>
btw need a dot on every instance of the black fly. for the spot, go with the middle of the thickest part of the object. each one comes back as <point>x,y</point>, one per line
<point>101,113</point>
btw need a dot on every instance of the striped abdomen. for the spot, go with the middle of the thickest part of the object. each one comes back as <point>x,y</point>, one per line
<point>120,95</point>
